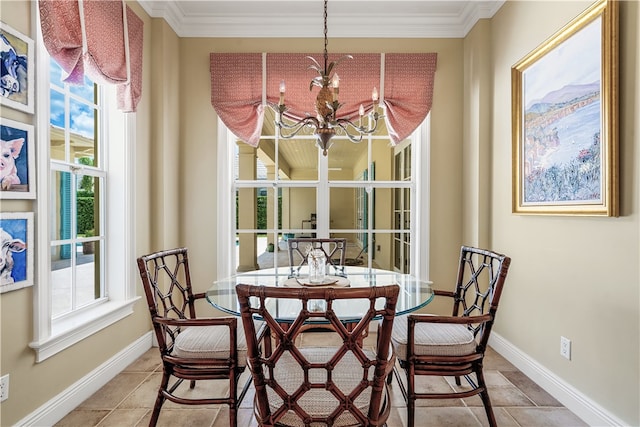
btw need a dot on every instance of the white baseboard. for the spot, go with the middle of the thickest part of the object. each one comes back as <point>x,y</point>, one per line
<point>585,408</point>
<point>55,409</point>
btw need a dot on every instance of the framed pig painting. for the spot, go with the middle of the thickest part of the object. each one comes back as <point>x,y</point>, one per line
<point>17,160</point>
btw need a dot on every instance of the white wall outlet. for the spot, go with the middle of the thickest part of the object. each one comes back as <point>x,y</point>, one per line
<point>4,388</point>
<point>565,348</point>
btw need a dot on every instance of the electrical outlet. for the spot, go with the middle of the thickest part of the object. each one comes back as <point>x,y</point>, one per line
<point>565,348</point>
<point>4,388</point>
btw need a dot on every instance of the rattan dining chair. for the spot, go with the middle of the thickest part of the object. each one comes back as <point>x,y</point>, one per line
<point>191,348</point>
<point>319,386</point>
<point>454,346</point>
<point>335,250</point>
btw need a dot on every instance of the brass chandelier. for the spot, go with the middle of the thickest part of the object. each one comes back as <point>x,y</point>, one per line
<point>326,123</point>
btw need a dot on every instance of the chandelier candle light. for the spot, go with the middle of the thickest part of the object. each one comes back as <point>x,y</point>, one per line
<point>326,123</point>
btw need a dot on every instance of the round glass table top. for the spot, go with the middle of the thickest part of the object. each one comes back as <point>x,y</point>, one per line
<point>414,293</point>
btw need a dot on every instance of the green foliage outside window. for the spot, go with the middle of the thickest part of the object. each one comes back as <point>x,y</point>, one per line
<point>85,213</point>
<point>262,212</point>
<point>87,181</point>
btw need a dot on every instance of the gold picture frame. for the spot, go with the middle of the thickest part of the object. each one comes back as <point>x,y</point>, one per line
<point>565,119</point>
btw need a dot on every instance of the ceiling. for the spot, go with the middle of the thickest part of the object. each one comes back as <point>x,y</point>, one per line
<point>303,18</point>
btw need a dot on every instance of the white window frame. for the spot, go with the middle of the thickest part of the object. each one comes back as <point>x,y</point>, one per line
<point>51,337</point>
<point>419,202</point>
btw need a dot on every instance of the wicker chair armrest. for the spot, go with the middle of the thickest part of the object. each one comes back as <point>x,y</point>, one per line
<point>231,322</point>
<point>441,293</point>
<point>462,320</point>
<point>199,296</point>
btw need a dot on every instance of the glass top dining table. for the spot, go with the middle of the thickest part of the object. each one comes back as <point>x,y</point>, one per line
<point>414,293</point>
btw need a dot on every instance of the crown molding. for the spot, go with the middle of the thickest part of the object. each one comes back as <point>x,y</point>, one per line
<point>349,19</point>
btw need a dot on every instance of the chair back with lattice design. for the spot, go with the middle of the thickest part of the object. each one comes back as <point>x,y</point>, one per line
<point>335,250</point>
<point>167,286</point>
<point>343,385</point>
<point>481,277</point>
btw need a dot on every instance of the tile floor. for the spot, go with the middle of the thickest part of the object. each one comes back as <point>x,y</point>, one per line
<point>128,399</point>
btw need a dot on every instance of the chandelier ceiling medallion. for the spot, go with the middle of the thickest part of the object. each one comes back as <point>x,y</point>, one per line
<point>326,123</point>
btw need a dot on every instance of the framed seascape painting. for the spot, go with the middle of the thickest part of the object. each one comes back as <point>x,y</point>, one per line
<point>16,79</point>
<point>16,255</point>
<point>565,119</point>
<point>17,160</point>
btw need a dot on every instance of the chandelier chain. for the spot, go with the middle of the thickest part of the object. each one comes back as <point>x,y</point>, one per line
<point>326,40</point>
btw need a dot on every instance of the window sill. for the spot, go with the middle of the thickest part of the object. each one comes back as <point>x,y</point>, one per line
<point>74,329</point>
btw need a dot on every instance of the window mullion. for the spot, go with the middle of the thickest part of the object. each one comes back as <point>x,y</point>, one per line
<point>74,240</point>
<point>322,197</point>
<point>67,124</point>
<point>370,202</point>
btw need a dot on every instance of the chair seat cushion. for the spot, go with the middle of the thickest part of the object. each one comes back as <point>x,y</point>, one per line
<point>210,342</point>
<point>432,339</point>
<point>320,402</point>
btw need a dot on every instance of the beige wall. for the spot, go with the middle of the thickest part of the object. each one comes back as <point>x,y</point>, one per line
<point>165,152</point>
<point>33,384</point>
<point>303,207</point>
<point>576,277</point>
<point>476,170</point>
<point>570,276</point>
<point>342,212</point>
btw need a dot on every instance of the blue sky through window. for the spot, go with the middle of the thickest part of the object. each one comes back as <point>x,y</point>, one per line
<point>56,101</point>
<point>81,115</point>
<point>82,121</point>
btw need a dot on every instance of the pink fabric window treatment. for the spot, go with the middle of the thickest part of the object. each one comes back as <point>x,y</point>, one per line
<point>236,93</point>
<point>101,39</point>
<point>406,94</point>
<point>129,93</point>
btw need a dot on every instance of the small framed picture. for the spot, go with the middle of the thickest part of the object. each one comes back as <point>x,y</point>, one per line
<point>16,79</point>
<point>17,160</point>
<point>16,253</point>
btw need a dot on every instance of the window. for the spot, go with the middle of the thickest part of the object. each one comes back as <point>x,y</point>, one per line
<point>84,210</point>
<point>350,193</point>
<point>78,176</point>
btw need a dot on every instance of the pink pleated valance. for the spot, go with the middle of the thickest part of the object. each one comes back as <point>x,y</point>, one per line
<point>405,83</point>
<point>101,39</point>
